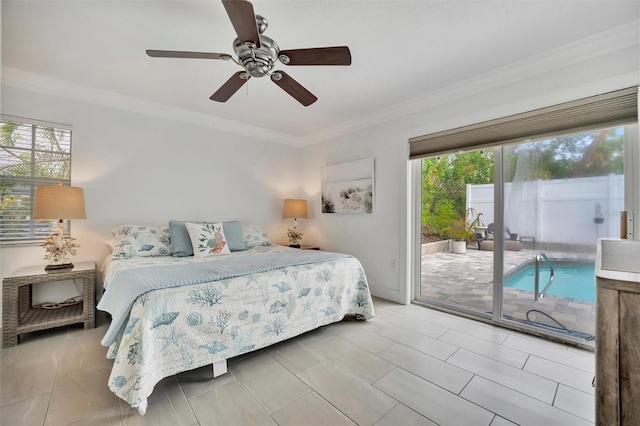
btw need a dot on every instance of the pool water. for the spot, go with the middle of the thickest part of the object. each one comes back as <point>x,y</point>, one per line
<point>574,281</point>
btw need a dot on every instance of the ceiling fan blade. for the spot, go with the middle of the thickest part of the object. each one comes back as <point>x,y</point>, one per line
<point>230,87</point>
<point>339,55</point>
<point>243,20</point>
<point>181,54</point>
<point>293,88</point>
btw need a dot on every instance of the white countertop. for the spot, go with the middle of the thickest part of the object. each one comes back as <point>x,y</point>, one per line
<point>618,259</point>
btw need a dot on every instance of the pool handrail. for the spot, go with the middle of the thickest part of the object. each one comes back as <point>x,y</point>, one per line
<point>537,293</point>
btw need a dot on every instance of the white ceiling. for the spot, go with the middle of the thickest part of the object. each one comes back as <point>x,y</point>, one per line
<point>401,50</point>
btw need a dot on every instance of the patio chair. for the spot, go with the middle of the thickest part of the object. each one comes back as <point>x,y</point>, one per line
<point>508,234</point>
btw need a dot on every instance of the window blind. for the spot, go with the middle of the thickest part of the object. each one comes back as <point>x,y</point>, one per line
<point>608,109</point>
<point>31,153</point>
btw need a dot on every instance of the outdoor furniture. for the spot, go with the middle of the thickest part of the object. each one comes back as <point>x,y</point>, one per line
<point>510,245</point>
<point>508,234</point>
<point>528,242</point>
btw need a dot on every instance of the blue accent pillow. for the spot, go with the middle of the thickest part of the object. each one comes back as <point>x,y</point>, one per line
<point>181,243</point>
<point>234,235</point>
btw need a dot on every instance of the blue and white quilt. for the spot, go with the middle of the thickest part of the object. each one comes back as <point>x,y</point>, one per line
<point>200,321</point>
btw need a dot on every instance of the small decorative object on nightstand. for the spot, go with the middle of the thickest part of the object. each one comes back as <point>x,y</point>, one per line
<point>18,314</point>
<point>294,209</point>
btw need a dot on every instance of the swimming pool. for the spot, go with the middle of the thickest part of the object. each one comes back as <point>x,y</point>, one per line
<point>573,280</point>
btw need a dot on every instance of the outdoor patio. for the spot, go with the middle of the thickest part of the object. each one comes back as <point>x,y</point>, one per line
<point>467,280</point>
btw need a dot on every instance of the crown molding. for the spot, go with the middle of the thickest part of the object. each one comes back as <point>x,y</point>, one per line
<point>599,44</point>
<point>43,84</point>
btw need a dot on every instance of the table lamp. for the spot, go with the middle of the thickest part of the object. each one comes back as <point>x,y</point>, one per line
<point>294,209</point>
<point>59,202</point>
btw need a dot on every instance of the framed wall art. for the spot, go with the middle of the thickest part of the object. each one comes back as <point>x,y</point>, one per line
<point>348,187</point>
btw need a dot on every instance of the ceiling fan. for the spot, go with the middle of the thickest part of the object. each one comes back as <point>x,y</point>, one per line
<point>258,54</point>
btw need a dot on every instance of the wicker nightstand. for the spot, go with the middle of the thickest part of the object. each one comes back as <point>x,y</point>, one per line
<point>18,316</point>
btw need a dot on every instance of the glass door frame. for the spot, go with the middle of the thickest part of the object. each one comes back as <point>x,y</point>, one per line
<point>416,254</point>
<point>631,205</point>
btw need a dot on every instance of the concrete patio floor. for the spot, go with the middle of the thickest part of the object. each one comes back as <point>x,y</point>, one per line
<point>467,280</point>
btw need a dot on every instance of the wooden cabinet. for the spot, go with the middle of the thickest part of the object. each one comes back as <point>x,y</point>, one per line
<point>618,333</point>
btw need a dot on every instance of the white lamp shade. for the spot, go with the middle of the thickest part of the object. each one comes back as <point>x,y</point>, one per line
<point>294,209</point>
<point>59,202</point>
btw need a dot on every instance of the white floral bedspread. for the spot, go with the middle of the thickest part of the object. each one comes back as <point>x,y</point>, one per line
<point>177,329</point>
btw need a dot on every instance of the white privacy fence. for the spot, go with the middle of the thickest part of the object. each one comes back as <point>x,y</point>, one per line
<point>570,211</point>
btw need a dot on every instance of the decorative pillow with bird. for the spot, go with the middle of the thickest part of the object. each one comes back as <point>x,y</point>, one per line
<point>208,239</point>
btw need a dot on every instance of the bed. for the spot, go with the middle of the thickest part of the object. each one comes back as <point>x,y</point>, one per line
<point>173,314</point>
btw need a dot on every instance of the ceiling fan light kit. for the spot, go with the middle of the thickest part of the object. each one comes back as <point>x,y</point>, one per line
<point>258,55</point>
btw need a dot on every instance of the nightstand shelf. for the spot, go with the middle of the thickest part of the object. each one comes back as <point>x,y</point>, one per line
<point>18,315</point>
<point>43,319</point>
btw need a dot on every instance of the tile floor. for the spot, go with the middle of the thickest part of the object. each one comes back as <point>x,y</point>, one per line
<point>408,366</point>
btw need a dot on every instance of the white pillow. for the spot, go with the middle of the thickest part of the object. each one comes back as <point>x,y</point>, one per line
<point>207,239</point>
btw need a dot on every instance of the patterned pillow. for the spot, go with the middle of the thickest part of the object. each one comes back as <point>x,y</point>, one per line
<point>141,241</point>
<point>207,239</point>
<point>254,236</point>
<point>181,242</point>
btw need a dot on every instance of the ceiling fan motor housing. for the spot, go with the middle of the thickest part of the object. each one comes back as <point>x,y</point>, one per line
<point>257,61</point>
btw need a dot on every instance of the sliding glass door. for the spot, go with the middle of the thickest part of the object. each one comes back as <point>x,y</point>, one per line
<point>530,215</point>
<point>457,206</point>
<point>560,195</point>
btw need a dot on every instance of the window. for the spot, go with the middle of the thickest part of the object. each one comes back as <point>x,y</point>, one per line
<point>31,153</point>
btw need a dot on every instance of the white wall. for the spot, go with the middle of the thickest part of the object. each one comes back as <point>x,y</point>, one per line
<point>375,239</point>
<point>144,170</point>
